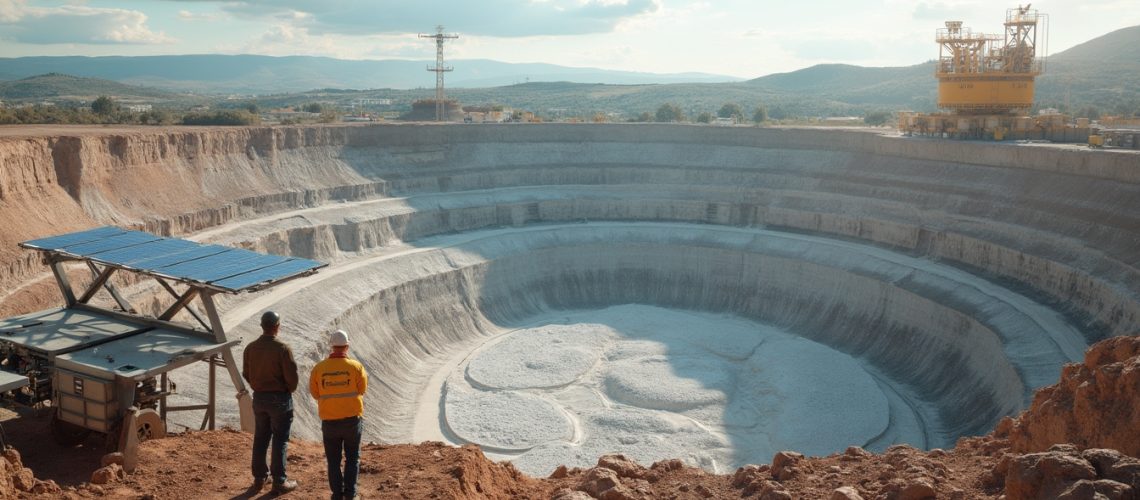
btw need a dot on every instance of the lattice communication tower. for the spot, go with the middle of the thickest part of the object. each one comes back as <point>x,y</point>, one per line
<point>439,69</point>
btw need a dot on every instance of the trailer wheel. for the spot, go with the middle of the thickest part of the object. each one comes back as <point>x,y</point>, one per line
<point>67,433</point>
<point>149,425</point>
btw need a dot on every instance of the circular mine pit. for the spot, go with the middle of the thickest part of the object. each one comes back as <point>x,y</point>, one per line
<point>554,293</point>
<point>659,383</point>
<point>554,344</point>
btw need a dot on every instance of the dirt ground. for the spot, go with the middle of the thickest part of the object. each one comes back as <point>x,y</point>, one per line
<point>1096,395</point>
<point>215,464</point>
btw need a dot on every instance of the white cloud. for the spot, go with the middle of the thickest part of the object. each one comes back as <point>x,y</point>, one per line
<point>945,10</point>
<point>502,18</point>
<point>287,40</point>
<point>78,24</point>
<point>398,48</point>
<point>10,10</point>
<point>186,15</point>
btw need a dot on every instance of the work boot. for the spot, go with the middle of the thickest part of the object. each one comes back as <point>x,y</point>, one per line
<point>284,487</point>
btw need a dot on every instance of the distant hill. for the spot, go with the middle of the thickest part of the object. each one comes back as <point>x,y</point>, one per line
<point>892,87</point>
<point>57,85</point>
<point>250,74</point>
<point>1102,73</point>
<point>1119,46</point>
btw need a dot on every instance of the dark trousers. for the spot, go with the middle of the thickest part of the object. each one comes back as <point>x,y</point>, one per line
<point>343,436</point>
<point>274,415</point>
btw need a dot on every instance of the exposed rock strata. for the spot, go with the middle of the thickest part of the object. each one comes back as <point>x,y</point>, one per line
<point>1059,221</point>
<point>1060,225</point>
<point>1093,406</point>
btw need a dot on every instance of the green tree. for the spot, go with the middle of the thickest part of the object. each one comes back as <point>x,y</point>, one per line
<point>761,114</point>
<point>876,118</point>
<point>225,117</point>
<point>704,117</point>
<point>731,110</point>
<point>643,117</point>
<point>156,117</point>
<point>251,107</point>
<point>104,106</point>
<point>313,107</point>
<point>669,113</point>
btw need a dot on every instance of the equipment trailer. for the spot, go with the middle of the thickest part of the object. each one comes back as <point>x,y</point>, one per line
<point>107,371</point>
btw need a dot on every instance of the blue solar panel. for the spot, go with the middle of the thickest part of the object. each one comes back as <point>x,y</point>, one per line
<point>225,268</point>
<point>129,256</point>
<point>233,269</point>
<point>118,241</point>
<point>280,271</point>
<point>159,261</point>
<point>206,268</point>
<point>65,240</point>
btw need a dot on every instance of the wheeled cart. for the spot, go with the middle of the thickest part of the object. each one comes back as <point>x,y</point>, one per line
<point>106,370</point>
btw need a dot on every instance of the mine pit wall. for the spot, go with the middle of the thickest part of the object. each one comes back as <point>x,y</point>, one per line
<point>953,361</point>
<point>166,182</point>
<point>942,346</point>
<point>1022,224</point>
<point>1062,224</point>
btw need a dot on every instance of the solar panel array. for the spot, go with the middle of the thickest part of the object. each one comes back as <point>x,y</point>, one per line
<point>224,268</point>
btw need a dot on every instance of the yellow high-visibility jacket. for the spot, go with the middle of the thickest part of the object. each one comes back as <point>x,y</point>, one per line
<point>338,385</point>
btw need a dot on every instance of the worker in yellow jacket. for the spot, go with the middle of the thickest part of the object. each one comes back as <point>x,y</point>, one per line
<point>338,385</point>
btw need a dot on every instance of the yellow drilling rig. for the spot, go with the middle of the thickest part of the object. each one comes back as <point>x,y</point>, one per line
<point>985,82</point>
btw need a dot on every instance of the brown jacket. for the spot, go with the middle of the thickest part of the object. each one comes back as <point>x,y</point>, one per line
<point>268,366</point>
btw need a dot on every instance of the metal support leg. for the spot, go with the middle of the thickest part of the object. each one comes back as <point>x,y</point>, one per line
<point>211,410</point>
<point>119,299</point>
<point>245,400</point>
<point>164,385</point>
<point>129,439</point>
<point>188,307</point>
<point>179,304</point>
<point>61,280</point>
<point>98,283</point>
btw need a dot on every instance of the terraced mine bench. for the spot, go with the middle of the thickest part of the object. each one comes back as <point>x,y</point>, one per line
<point>105,370</point>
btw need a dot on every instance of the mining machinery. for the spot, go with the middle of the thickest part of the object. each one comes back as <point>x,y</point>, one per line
<point>981,74</point>
<point>985,84</point>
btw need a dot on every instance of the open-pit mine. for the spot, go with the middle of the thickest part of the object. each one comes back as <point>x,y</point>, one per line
<point>556,292</point>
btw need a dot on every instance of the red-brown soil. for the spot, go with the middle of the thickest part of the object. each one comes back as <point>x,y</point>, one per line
<point>215,464</point>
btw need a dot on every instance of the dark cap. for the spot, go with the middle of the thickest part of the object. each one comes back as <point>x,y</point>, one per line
<point>269,319</point>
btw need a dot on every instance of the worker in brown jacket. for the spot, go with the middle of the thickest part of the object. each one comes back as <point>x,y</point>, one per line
<point>268,366</point>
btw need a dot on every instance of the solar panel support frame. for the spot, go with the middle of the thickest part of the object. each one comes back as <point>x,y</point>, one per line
<point>122,246</point>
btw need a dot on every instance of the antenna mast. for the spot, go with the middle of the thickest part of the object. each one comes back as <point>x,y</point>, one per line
<point>439,69</point>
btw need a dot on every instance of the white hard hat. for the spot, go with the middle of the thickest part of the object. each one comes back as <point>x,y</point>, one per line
<point>338,338</point>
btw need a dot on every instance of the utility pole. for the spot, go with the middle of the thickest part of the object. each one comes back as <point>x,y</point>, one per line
<point>439,69</point>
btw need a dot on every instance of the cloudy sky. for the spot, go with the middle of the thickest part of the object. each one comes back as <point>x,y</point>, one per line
<point>743,38</point>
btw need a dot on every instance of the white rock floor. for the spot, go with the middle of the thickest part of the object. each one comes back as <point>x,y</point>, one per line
<point>717,391</point>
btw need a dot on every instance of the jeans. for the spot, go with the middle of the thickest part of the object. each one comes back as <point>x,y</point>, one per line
<point>343,435</point>
<point>273,412</point>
